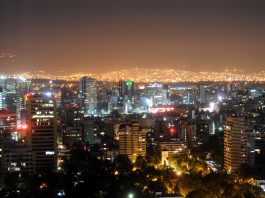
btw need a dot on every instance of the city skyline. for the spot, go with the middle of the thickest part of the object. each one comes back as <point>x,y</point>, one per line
<point>102,36</point>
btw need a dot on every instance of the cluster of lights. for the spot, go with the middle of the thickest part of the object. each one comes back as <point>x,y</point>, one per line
<point>149,75</point>
<point>161,109</point>
<point>22,126</point>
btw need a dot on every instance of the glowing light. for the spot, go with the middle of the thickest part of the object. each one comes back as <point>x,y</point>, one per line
<point>179,173</point>
<point>130,195</point>
<point>22,126</point>
<point>161,109</point>
<point>49,152</point>
<point>48,94</point>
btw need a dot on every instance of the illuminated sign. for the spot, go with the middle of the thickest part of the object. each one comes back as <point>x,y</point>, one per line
<point>128,83</point>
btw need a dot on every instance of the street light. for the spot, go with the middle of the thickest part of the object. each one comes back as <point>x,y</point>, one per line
<point>130,195</point>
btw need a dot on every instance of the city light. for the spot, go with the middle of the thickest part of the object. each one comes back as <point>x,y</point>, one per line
<point>132,98</point>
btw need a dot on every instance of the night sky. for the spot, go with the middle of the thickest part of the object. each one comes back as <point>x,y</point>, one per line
<point>104,35</point>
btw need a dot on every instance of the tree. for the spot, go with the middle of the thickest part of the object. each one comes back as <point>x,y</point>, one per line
<point>122,164</point>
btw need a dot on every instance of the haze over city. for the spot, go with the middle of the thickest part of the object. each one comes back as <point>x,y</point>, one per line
<point>106,35</point>
<point>132,98</point>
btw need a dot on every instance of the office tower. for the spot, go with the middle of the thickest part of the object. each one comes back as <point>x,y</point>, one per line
<point>18,160</point>
<point>89,131</point>
<point>2,98</point>
<point>7,133</point>
<point>238,144</point>
<point>189,133</point>
<point>202,93</point>
<point>103,98</point>
<point>88,95</point>
<point>42,129</point>
<point>22,88</point>
<point>126,97</point>
<point>132,140</point>
<point>157,93</point>
<point>71,115</point>
<point>72,136</point>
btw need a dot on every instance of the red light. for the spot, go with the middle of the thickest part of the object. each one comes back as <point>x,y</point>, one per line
<point>172,131</point>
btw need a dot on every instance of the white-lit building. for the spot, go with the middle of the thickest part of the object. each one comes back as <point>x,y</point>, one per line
<point>157,93</point>
<point>88,95</point>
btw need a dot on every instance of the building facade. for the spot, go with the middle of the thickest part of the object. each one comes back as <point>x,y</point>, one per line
<point>88,95</point>
<point>42,129</point>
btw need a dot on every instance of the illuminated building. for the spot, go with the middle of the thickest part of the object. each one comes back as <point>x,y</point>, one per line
<point>58,98</point>
<point>205,127</point>
<point>18,160</point>
<point>238,144</point>
<point>2,98</point>
<point>173,145</point>
<point>189,133</point>
<point>202,92</point>
<point>157,93</point>
<point>72,116</point>
<point>88,95</point>
<point>171,148</point>
<point>42,128</point>
<point>8,123</point>
<point>126,97</point>
<point>89,131</point>
<point>161,109</point>
<point>23,87</point>
<point>72,136</point>
<point>132,140</point>
<point>103,99</point>
<point>10,151</point>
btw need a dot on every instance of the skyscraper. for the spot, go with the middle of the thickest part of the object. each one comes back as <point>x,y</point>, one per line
<point>238,144</point>
<point>2,98</point>
<point>157,93</point>
<point>42,129</point>
<point>132,140</point>
<point>126,95</point>
<point>88,95</point>
<point>202,93</point>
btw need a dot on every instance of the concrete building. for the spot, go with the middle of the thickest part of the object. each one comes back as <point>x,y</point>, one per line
<point>238,144</point>
<point>88,95</point>
<point>132,140</point>
<point>42,129</point>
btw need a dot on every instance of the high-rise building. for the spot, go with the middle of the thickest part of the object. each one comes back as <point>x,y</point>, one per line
<point>88,95</point>
<point>132,140</point>
<point>22,88</point>
<point>189,133</point>
<point>42,129</point>
<point>18,160</point>
<point>2,98</point>
<point>89,131</point>
<point>157,93</point>
<point>126,95</point>
<point>238,144</point>
<point>202,93</point>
